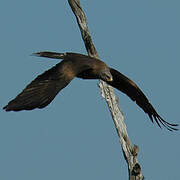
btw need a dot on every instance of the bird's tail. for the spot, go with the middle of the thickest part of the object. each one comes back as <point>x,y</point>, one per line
<point>48,54</point>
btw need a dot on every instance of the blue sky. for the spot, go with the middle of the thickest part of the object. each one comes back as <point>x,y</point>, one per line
<point>74,137</point>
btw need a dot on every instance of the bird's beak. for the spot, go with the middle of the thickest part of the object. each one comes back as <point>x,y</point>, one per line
<point>106,75</point>
<point>110,79</point>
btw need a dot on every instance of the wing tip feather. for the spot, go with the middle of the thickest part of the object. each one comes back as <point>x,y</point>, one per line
<point>160,121</point>
<point>49,54</point>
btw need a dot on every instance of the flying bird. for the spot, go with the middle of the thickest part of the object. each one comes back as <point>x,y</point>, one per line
<point>43,89</point>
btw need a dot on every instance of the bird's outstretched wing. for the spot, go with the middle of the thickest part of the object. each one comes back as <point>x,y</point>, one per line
<point>42,90</point>
<point>127,86</point>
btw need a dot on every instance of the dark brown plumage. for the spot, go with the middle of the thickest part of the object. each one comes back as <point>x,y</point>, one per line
<point>42,90</point>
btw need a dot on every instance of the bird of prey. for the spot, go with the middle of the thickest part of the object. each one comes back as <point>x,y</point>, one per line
<point>43,89</point>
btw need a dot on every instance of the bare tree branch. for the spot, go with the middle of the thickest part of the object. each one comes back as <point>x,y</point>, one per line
<point>130,152</point>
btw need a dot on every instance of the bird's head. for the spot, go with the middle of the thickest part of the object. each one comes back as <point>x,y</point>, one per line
<point>105,75</point>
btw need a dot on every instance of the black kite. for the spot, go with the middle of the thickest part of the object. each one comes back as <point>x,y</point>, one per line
<point>42,90</point>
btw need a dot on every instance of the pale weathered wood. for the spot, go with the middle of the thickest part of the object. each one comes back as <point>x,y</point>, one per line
<point>130,152</point>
